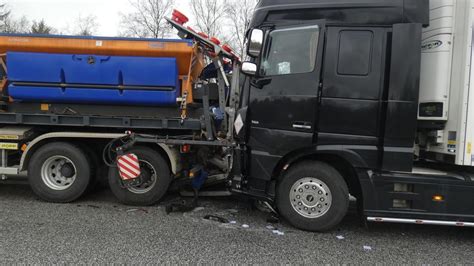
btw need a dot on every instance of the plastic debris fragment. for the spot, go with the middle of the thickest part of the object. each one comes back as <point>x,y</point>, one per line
<point>232,211</point>
<point>216,219</point>
<point>270,227</point>
<point>137,210</point>
<point>278,232</point>
<point>198,209</point>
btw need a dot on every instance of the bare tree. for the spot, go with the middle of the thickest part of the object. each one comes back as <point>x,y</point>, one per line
<point>240,14</point>
<point>209,16</point>
<point>8,24</point>
<point>40,27</point>
<point>12,25</point>
<point>86,26</point>
<point>4,12</point>
<point>147,19</point>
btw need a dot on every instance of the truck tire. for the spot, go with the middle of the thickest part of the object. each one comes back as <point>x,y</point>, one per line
<point>94,166</point>
<point>99,171</point>
<point>59,172</point>
<point>312,196</point>
<point>158,176</point>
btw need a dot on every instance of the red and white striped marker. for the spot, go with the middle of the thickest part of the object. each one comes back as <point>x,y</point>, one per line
<point>129,166</point>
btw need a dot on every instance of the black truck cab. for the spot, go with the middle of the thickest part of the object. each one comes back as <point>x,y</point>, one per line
<point>332,82</point>
<point>336,77</point>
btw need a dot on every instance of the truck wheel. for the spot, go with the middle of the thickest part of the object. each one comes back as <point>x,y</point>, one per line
<point>59,172</point>
<point>312,196</point>
<point>156,177</point>
<point>99,171</point>
<point>94,166</point>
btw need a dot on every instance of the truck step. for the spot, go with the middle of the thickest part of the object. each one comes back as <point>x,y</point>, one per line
<point>417,221</point>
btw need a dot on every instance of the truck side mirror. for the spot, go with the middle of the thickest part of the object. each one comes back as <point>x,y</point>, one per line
<point>249,69</point>
<point>255,43</point>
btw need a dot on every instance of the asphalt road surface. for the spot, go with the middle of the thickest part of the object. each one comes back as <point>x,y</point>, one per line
<point>98,230</point>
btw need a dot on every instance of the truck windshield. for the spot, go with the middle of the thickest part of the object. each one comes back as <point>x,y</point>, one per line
<point>290,51</point>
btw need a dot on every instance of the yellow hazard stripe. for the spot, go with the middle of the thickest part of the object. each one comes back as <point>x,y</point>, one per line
<point>8,146</point>
<point>9,137</point>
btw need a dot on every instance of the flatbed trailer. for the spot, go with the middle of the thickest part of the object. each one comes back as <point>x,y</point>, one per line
<point>31,124</point>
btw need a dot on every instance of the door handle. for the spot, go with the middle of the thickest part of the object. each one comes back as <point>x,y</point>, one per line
<point>302,125</point>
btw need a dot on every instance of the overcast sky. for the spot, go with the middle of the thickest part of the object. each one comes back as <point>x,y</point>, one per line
<point>62,13</point>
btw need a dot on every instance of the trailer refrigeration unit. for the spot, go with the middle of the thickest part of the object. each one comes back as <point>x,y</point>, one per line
<point>446,100</point>
<point>369,98</point>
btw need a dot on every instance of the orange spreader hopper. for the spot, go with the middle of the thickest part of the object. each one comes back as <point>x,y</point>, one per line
<point>190,62</point>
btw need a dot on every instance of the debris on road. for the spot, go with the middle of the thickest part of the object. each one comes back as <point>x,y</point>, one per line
<point>90,206</point>
<point>180,206</point>
<point>275,230</point>
<point>270,227</point>
<point>367,248</point>
<point>278,232</point>
<point>137,210</point>
<point>273,219</point>
<point>216,219</point>
<point>231,211</point>
<point>198,209</point>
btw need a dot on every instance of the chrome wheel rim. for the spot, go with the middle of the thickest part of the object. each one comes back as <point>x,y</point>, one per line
<point>58,173</point>
<point>310,197</point>
<point>146,169</point>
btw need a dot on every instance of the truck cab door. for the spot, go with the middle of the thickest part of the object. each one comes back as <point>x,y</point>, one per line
<point>284,97</point>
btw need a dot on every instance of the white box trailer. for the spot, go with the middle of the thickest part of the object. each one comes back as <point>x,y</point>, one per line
<point>446,111</point>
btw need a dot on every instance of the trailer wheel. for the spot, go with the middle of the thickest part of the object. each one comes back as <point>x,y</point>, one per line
<point>59,172</point>
<point>94,165</point>
<point>156,177</point>
<point>99,171</point>
<point>313,196</point>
